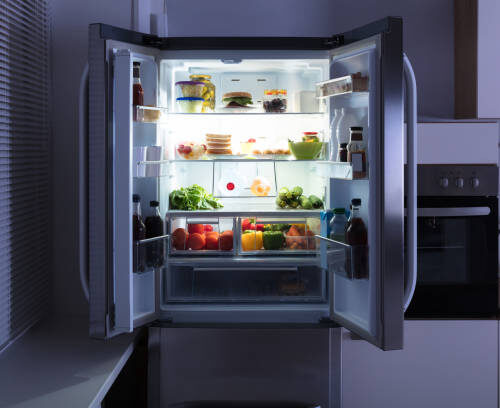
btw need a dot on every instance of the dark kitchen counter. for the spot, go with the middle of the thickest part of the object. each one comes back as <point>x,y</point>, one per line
<point>56,364</point>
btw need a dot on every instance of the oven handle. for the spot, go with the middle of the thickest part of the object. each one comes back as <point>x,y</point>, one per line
<point>453,211</point>
<point>411,160</point>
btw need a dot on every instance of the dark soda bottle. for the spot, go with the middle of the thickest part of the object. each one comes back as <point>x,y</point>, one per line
<point>139,232</point>
<point>137,91</point>
<point>154,228</point>
<point>356,235</point>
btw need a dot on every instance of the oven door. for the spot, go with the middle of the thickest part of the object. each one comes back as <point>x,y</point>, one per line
<point>457,258</point>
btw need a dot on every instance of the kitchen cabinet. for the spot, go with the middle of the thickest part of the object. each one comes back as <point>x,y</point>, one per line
<point>443,364</point>
<point>477,57</point>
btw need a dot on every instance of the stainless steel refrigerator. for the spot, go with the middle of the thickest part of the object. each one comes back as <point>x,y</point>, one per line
<point>263,259</point>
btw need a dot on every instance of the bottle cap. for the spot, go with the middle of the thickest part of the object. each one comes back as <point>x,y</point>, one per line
<point>136,198</point>
<point>343,145</point>
<point>356,202</point>
<point>356,128</point>
<point>137,64</point>
<point>339,210</point>
<point>154,203</point>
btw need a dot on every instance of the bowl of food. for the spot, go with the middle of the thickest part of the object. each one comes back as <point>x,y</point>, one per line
<point>305,150</point>
<point>190,104</point>
<point>191,151</point>
<point>190,89</point>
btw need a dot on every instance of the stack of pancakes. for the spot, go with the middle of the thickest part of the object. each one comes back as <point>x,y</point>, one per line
<point>218,144</point>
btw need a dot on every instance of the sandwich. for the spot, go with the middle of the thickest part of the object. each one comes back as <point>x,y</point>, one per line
<point>237,99</point>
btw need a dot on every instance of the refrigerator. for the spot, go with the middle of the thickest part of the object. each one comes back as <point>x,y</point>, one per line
<point>245,194</point>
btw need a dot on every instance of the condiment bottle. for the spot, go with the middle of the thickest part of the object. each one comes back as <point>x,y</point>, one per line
<point>342,152</point>
<point>154,228</point>
<point>338,225</point>
<point>138,233</point>
<point>356,235</point>
<point>137,91</point>
<point>356,152</point>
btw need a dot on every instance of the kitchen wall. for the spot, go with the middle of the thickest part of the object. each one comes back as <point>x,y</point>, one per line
<point>428,40</point>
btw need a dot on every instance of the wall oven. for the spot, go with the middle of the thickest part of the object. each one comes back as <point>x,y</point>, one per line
<point>457,242</point>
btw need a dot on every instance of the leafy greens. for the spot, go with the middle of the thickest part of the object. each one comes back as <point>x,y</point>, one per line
<point>193,198</point>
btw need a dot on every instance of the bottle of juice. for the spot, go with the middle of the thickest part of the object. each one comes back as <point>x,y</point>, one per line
<point>139,232</point>
<point>154,228</point>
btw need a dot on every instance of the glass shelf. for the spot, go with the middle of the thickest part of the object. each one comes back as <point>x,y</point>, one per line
<point>284,114</point>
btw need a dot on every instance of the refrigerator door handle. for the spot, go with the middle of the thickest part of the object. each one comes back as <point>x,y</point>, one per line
<point>82,180</point>
<point>411,149</point>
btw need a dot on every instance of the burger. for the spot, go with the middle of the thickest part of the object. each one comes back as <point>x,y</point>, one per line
<point>237,99</point>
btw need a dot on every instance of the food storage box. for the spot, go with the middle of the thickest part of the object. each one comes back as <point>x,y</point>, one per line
<point>193,236</point>
<point>189,89</point>
<point>342,85</point>
<point>189,104</point>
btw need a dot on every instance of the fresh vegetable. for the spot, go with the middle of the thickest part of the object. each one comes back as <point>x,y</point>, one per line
<point>276,227</point>
<point>316,201</point>
<point>297,192</point>
<point>295,239</point>
<point>280,202</point>
<point>179,239</point>
<point>251,240</point>
<point>259,227</point>
<point>247,224</point>
<point>311,241</point>
<point>293,203</point>
<point>305,203</point>
<point>196,228</point>
<point>226,240</point>
<point>282,193</point>
<point>193,198</point>
<point>212,240</point>
<point>196,241</point>
<point>208,228</point>
<point>272,239</point>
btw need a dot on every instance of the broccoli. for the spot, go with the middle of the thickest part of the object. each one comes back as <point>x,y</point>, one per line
<point>282,193</point>
<point>280,203</point>
<point>297,192</point>
<point>293,203</point>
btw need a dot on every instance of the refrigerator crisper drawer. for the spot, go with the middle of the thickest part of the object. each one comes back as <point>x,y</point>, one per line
<point>241,282</point>
<point>248,235</point>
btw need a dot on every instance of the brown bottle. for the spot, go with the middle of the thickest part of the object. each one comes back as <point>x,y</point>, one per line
<point>356,235</point>
<point>137,91</point>
<point>139,232</point>
<point>154,228</point>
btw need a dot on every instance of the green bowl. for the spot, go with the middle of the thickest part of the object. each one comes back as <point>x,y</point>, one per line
<point>305,150</point>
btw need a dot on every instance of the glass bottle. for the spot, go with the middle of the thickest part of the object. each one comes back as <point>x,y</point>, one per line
<point>139,233</point>
<point>137,91</point>
<point>338,225</point>
<point>333,143</point>
<point>337,131</point>
<point>342,155</point>
<point>347,120</point>
<point>356,235</point>
<point>154,228</point>
<point>356,153</point>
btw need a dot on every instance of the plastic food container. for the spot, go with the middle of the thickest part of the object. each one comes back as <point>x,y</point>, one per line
<point>190,104</point>
<point>190,89</point>
<point>191,151</point>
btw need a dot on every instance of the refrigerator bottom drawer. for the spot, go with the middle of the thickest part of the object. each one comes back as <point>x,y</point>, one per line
<point>245,284</point>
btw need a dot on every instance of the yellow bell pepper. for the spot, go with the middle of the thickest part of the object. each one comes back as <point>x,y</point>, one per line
<point>251,241</point>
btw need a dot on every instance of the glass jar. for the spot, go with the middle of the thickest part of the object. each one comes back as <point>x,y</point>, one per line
<point>208,92</point>
<point>356,152</point>
<point>342,156</point>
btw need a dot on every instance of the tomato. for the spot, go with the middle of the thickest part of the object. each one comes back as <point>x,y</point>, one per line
<point>196,228</point>
<point>259,227</point>
<point>226,240</point>
<point>212,238</point>
<point>179,238</point>
<point>196,241</point>
<point>245,224</point>
<point>208,228</point>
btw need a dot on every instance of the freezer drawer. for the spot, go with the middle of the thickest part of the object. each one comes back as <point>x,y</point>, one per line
<point>241,282</point>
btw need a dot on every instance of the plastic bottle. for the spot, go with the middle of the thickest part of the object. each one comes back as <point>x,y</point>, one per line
<point>333,142</point>
<point>338,225</point>
<point>347,120</point>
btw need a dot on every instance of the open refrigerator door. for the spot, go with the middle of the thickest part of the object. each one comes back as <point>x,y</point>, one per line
<point>225,166</point>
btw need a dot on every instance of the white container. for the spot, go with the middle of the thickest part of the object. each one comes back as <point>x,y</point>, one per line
<point>139,155</point>
<point>153,153</point>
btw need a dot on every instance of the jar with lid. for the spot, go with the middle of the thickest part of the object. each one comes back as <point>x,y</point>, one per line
<point>275,100</point>
<point>208,92</point>
<point>342,156</point>
<point>356,152</point>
